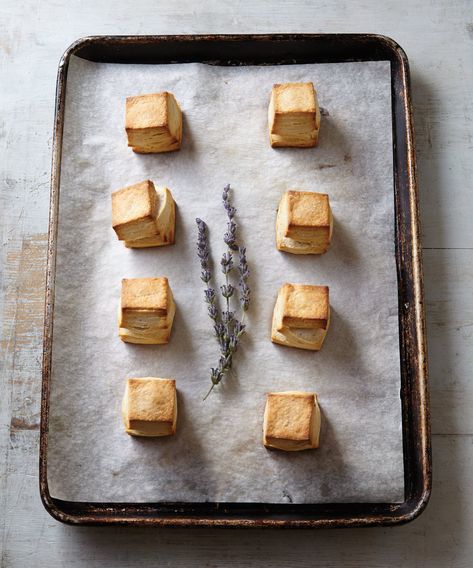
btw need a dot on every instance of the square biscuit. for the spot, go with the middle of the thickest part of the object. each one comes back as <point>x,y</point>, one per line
<point>301,316</point>
<point>304,223</point>
<point>153,123</point>
<point>294,98</point>
<point>291,421</point>
<point>149,406</point>
<point>145,294</point>
<point>294,115</point>
<point>165,222</point>
<point>307,210</point>
<point>146,327</point>
<point>134,210</point>
<point>146,111</point>
<point>146,311</point>
<point>305,306</point>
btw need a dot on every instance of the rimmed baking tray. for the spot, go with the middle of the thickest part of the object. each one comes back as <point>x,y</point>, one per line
<point>273,49</point>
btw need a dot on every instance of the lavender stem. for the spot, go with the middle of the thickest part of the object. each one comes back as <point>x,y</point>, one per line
<point>210,390</point>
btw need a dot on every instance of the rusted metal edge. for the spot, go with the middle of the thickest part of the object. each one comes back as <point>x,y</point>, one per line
<point>50,277</point>
<point>420,502</point>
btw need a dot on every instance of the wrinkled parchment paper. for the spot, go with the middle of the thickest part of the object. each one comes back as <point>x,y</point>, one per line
<point>217,454</point>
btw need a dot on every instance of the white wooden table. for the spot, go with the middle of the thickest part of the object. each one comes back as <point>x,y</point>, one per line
<point>438,38</point>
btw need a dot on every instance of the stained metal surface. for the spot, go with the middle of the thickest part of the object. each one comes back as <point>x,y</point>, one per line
<point>273,49</point>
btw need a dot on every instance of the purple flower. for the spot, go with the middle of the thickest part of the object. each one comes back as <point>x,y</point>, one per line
<point>231,211</point>
<point>209,295</point>
<point>227,317</point>
<point>225,343</point>
<point>243,264</point>
<point>229,237</point>
<point>226,262</point>
<point>215,376</point>
<point>233,343</point>
<point>205,275</point>
<point>227,290</point>
<point>213,312</point>
<point>219,329</point>
<point>238,329</point>
<point>244,296</point>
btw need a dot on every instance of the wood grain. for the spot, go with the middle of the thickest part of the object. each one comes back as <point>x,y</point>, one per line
<point>438,38</point>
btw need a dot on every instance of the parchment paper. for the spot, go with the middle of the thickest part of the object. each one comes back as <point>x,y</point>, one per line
<point>217,453</point>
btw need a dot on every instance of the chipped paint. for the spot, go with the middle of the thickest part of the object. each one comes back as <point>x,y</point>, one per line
<point>20,424</point>
<point>21,338</point>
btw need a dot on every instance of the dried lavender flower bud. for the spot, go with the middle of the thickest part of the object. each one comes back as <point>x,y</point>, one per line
<point>244,296</point>
<point>227,290</point>
<point>209,295</point>
<point>226,262</point>
<point>204,257</point>
<point>205,275</point>
<point>230,211</point>
<point>243,264</point>
<point>202,226</point>
<point>219,329</point>
<point>215,376</point>
<point>244,274</point>
<point>229,237</point>
<point>227,316</point>
<point>239,328</point>
<point>226,189</point>
<point>213,312</point>
<point>226,202</point>
<point>233,342</point>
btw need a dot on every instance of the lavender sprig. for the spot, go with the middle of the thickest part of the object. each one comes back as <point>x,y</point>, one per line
<point>228,329</point>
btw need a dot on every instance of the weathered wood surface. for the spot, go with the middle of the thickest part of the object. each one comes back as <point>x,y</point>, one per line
<point>438,38</point>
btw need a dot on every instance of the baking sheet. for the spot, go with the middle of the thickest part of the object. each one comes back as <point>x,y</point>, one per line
<point>217,454</point>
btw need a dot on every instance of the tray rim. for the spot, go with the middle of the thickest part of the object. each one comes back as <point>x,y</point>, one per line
<point>416,417</point>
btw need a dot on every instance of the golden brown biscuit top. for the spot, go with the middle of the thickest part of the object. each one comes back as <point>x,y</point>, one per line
<point>147,111</point>
<point>151,399</point>
<point>305,303</point>
<point>308,209</point>
<point>294,97</point>
<point>151,294</point>
<point>134,202</point>
<point>288,415</point>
